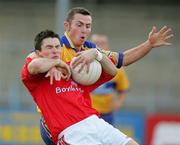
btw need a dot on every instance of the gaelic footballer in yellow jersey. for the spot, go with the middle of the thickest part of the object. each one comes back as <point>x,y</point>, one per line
<point>105,97</point>
<point>68,51</point>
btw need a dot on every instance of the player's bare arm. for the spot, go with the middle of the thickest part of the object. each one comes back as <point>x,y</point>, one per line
<point>108,66</point>
<point>86,57</point>
<point>42,65</point>
<point>155,39</point>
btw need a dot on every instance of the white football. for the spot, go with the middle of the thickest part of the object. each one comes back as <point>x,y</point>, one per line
<point>84,78</point>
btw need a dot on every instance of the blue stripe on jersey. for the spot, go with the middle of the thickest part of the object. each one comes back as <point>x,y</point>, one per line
<point>120,59</point>
<point>64,40</point>
<point>89,44</point>
<point>106,88</point>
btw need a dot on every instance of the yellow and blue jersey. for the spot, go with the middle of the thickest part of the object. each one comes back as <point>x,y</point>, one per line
<point>102,97</point>
<point>68,50</point>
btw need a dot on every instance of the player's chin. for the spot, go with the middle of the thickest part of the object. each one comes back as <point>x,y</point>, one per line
<point>80,43</point>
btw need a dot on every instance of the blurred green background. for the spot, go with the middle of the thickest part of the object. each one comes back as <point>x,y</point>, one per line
<point>154,81</point>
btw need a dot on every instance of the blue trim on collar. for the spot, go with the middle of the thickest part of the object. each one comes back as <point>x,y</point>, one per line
<point>64,40</point>
<point>89,44</point>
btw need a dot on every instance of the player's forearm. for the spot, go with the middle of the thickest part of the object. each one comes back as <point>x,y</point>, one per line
<point>41,65</point>
<point>108,66</point>
<point>136,53</point>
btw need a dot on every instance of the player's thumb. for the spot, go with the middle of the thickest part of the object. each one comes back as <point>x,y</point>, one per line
<point>47,75</point>
<point>153,30</point>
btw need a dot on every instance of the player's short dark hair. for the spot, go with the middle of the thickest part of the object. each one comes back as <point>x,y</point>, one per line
<point>41,36</point>
<point>77,10</point>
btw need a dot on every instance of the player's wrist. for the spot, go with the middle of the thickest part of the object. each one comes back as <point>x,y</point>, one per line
<point>150,43</point>
<point>58,63</point>
<point>99,55</point>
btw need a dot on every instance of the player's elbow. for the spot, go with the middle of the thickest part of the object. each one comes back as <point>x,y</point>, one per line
<point>114,71</point>
<point>33,68</point>
<point>111,71</point>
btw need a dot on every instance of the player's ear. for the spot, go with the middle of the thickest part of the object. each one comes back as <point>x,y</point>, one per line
<point>66,25</point>
<point>38,52</point>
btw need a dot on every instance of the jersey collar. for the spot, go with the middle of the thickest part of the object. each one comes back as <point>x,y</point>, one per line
<point>65,40</point>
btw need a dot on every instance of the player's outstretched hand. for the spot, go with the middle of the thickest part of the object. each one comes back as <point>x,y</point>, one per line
<point>161,37</point>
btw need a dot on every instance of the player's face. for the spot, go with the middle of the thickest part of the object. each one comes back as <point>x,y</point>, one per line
<point>79,29</point>
<point>50,48</point>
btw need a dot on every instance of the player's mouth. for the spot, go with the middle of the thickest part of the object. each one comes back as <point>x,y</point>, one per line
<point>82,38</point>
<point>55,57</point>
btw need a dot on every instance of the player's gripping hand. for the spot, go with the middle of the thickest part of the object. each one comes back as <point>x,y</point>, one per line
<point>62,71</point>
<point>84,57</point>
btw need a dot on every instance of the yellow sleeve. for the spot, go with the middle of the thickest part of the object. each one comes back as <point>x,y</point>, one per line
<point>121,80</point>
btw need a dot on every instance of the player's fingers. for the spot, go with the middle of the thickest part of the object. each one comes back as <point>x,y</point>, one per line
<point>64,76</point>
<point>77,62</point>
<point>67,69</point>
<point>163,29</point>
<point>56,76</point>
<point>168,37</point>
<point>153,30</point>
<point>167,44</point>
<point>51,79</point>
<point>68,74</point>
<point>59,75</point>
<point>88,66</point>
<point>68,77</point>
<point>82,66</point>
<point>47,75</point>
<point>167,32</point>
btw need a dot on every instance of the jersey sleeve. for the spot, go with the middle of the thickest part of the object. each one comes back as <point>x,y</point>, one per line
<point>121,81</point>
<point>117,58</point>
<point>24,73</point>
<point>26,76</point>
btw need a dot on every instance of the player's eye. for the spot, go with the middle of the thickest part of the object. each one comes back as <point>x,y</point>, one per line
<point>88,26</point>
<point>58,47</point>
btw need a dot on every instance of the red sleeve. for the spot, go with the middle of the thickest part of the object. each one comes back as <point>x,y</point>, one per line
<point>26,76</point>
<point>24,73</point>
<point>105,77</point>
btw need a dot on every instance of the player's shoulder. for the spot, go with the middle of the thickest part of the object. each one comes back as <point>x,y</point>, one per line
<point>89,44</point>
<point>32,55</point>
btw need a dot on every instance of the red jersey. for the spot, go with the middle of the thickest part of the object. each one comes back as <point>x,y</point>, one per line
<point>62,104</point>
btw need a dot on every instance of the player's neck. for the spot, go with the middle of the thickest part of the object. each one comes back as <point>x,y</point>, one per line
<point>78,48</point>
